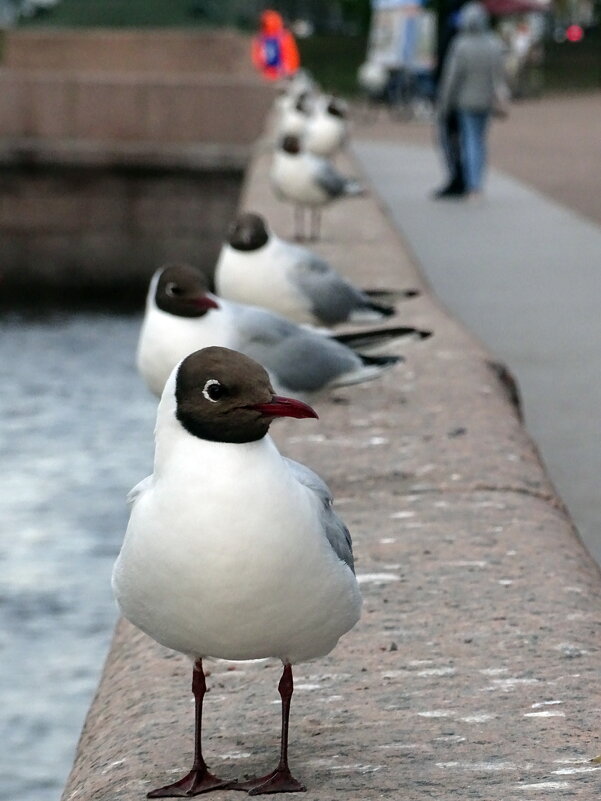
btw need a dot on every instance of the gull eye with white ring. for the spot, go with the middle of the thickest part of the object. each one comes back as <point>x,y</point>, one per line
<point>172,290</point>
<point>213,390</point>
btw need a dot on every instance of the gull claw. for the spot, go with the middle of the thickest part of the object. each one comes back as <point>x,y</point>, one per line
<point>278,781</point>
<point>193,783</point>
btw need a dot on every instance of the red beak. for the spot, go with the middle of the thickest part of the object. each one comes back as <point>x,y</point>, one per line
<point>284,407</point>
<point>204,302</point>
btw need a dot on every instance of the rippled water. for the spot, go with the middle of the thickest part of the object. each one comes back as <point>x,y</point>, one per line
<point>75,435</point>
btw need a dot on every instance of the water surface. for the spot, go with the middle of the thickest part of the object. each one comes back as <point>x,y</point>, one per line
<point>75,436</point>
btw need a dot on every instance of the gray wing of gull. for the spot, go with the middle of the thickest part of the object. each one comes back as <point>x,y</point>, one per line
<point>139,490</point>
<point>334,529</point>
<point>300,359</point>
<point>329,179</point>
<point>332,298</point>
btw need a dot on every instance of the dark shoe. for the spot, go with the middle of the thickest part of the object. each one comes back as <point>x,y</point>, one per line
<point>452,190</point>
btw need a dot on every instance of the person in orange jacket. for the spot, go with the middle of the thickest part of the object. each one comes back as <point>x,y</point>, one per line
<point>274,50</point>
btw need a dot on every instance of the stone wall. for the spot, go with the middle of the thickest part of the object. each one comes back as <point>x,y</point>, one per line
<point>161,52</point>
<point>165,87</point>
<point>131,107</point>
<point>119,150</point>
<point>87,234</point>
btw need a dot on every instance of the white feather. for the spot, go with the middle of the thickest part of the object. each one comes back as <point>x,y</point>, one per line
<point>226,555</point>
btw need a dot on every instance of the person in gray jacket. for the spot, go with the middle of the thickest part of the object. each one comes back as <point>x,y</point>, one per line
<point>472,82</point>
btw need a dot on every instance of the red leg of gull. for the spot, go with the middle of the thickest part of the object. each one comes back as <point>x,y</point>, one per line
<point>199,780</point>
<point>280,780</point>
<point>299,223</point>
<point>315,224</point>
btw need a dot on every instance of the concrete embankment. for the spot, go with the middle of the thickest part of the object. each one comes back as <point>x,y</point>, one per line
<point>474,671</point>
<point>119,150</point>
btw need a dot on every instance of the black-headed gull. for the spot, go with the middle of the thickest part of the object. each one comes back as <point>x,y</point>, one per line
<point>257,267</point>
<point>309,182</point>
<point>233,551</point>
<point>182,316</point>
<point>291,89</point>
<point>326,128</point>
<point>293,115</point>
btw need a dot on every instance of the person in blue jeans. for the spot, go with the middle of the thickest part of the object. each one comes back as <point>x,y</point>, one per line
<point>473,83</point>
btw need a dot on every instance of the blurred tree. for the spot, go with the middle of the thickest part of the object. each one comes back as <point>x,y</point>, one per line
<point>358,11</point>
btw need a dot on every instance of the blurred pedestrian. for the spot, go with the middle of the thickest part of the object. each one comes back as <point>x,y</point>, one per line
<point>447,124</point>
<point>274,51</point>
<point>473,83</point>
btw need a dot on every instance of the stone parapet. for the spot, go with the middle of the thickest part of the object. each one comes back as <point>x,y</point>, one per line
<point>118,150</point>
<point>160,52</point>
<point>131,107</point>
<point>474,668</point>
<point>167,87</point>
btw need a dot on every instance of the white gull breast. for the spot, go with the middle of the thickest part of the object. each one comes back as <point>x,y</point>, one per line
<point>202,578</point>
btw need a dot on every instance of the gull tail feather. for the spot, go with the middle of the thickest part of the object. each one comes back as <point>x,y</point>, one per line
<point>376,337</point>
<point>371,311</point>
<point>380,361</point>
<point>372,367</point>
<point>391,295</point>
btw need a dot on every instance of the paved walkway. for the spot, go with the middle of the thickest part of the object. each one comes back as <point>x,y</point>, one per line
<point>522,272</point>
<point>552,143</point>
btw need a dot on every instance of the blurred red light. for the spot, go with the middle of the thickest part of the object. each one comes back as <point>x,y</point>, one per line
<point>574,33</point>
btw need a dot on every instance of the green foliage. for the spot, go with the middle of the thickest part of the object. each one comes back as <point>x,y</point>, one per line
<point>178,13</point>
<point>570,66</point>
<point>334,61</point>
<point>358,11</point>
<point>120,13</point>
